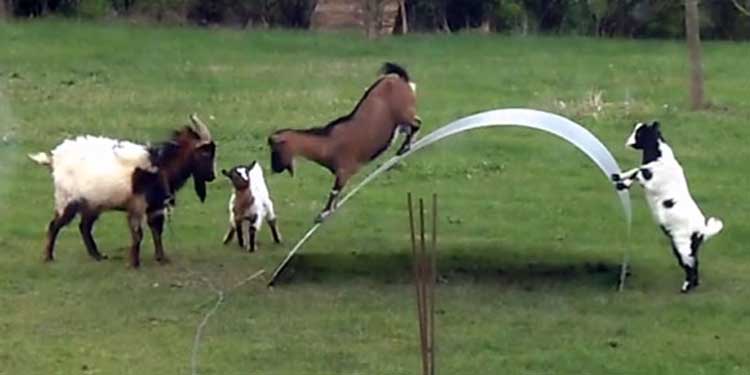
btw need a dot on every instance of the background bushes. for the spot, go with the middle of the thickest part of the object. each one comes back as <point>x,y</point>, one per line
<point>612,18</point>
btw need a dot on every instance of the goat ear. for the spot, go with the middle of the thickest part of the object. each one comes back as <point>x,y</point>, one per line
<point>226,173</point>
<point>200,188</point>
<point>655,125</point>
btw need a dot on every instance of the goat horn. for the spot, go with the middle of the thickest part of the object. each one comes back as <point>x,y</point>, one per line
<point>200,127</point>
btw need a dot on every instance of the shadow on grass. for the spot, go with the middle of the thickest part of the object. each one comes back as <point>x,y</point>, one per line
<point>489,265</point>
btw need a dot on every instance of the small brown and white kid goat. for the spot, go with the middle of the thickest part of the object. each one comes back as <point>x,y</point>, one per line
<point>668,197</point>
<point>250,203</point>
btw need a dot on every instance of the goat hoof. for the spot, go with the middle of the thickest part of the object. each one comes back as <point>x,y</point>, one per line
<point>403,150</point>
<point>322,216</point>
<point>615,177</point>
<point>621,186</point>
<point>687,287</point>
<point>48,259</point>
<point>163,260</point>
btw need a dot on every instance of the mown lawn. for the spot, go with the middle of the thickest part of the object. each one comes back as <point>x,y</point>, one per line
<point>531,235</point>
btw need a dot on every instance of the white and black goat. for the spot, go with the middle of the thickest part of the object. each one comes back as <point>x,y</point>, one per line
<point>97,174</point>
<point>668,197</point>
<point>250,202</point>
<point>345,144</point>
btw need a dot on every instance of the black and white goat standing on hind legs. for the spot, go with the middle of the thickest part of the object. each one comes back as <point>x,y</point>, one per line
<point>669,199</point>
<point>348,142</point>
<point>249,204</point>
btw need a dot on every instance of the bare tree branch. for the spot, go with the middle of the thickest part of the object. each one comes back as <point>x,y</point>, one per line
<point>740,8</point>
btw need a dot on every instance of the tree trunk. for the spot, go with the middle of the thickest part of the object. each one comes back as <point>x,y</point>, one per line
<point>404,22</point>
<point>692,31</point>
<point>373,17</point>
<point>3,9</point>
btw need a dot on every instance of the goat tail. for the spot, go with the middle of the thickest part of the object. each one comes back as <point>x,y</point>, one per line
<point>41,158</point>
<point>393,68</point>
<point>713,227</point>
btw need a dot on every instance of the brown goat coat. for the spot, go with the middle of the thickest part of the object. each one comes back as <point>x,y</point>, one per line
<point>347,144</point>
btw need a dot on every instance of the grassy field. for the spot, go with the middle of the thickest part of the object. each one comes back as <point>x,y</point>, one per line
<point>530,232</point>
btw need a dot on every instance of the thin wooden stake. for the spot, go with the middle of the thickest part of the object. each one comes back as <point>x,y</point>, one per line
<point>424,278</point>
<point>423,290</point>
<point>431,283</point>
<point>416,256</point>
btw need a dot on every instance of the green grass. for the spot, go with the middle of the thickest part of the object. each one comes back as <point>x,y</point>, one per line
<point>530,232</point>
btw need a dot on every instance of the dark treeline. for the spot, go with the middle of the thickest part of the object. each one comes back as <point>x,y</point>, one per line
<point>720,19</point>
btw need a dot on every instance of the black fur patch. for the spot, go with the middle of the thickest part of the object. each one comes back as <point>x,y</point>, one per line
<point>392,68</point>
<point>646,173</point>
<point>696,239</point>
<point>277,165</point>
<point>668,203</point>
<point>150,185</point>
<point>647,139</point>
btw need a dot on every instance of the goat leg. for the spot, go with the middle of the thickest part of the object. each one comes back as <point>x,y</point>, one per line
<point>330,206</point>
<point>624,180</point>
<point>342,176</point>
<point>137,234</point>
<point>230,234</point>
<point>86,226</point>
<point>251,238</point>
<point>240,235</point>
<point>156,224</point>
<point>274,230</point>
<point>411,131</point>
<point>57,223</point>
<point>627,175</point>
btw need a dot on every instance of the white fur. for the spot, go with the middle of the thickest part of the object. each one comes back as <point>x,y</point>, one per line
<point>96,170</point>
<point>631,140</point>
<point>668,182</point>
<point>262,207</point>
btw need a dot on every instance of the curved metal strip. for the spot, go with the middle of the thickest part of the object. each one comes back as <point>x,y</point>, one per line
<point>529,118</point>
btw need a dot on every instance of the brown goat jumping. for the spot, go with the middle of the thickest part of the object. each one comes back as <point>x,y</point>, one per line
<point>97,174</point>
<point>345,144</point>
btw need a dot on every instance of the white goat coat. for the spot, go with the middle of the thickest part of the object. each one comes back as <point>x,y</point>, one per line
<point>668,182</point>
<point>96,170</point>
<point>262,206</point>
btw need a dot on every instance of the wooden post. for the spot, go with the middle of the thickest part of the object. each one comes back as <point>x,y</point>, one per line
<point>372,17</point>
<point>3,9</point>
<point>692,32</point>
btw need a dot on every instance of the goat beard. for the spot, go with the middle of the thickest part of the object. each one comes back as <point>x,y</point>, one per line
<point>200,188</point>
